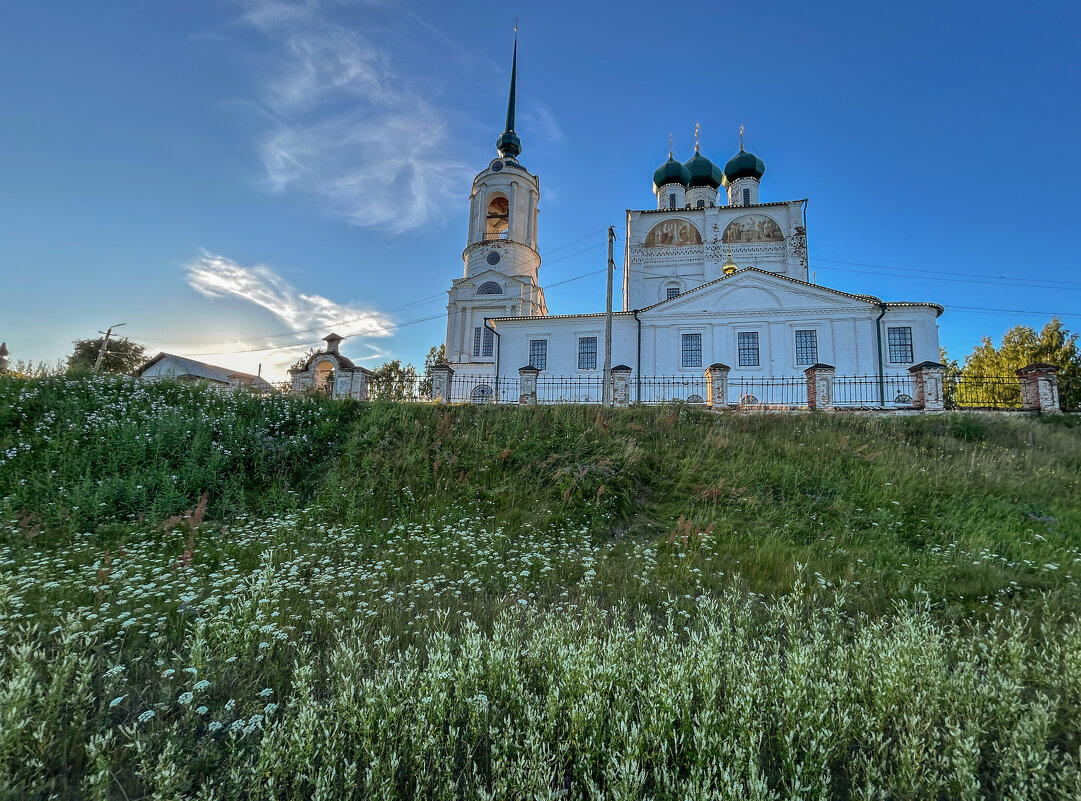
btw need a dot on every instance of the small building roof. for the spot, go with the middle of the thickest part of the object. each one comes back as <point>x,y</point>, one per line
<point>196,369</point>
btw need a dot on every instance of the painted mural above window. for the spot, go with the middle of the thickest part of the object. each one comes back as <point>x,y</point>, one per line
<point>752,228</point>
<point>673,233</point>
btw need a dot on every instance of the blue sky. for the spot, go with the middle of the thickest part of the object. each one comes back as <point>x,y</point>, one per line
<point>231,179</point>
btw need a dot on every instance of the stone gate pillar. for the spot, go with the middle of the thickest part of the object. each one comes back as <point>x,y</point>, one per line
<point>1039,388</point>
<point>820,386</point>
<point>527,385</point>
<point>621,385</point>
<point>927,385</point>
<point>441,376</point>
<point>717,385</point>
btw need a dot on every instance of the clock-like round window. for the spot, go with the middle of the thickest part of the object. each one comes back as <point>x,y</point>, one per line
<point>493,258</point>
<point>497,165</point>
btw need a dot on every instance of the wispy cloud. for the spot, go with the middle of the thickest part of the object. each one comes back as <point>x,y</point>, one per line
<point>542,122</point>
<point>346,126</point>
<point>219,277</point>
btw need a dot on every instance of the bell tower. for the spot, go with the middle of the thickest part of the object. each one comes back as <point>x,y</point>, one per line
<point>501,263</point>
<point>503,207</point>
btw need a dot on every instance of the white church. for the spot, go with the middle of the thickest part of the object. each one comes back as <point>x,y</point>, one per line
<point>713,275</point>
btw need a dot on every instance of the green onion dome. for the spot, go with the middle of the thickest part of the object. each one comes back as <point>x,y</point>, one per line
<point>704,172</point>
<point>671,172</point>
<point>743,165</point>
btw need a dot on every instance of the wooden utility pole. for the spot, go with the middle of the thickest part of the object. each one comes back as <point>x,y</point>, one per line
<point>606,391</point>
<point>105,344</point>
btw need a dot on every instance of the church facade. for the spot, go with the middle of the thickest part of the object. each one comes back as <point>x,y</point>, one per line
<point>712,275</point>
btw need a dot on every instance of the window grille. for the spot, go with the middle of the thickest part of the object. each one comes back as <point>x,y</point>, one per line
<point>538,353</point>
<point>476,341</point>
<point>489,339</point>
<point>746,197</point>
<point>672,200</point>
<point>900,343</point>
<point>587,353</point>
<point>490,288</point>
<point>692,350</point>
<point>701,204</point>
<point>673,292</point>
<point>807,347</point>
<point>747,345</point>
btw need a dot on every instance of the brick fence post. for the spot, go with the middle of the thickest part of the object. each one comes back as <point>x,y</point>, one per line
<point>1039,388</point>
<point>927,386</point>
<point>4,357</point>
<point>360,384</point>
<point>717,385</point>
<point>527,385</point>
<point>820,386</point>
<point>621,385</point>
<point>441,376</point>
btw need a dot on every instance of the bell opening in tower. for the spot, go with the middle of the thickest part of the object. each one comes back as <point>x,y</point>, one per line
<point>498,218</point>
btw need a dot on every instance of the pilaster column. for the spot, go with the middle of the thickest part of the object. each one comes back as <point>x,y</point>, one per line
<point>717,385</point>
<point>1039,388</point>
<point>927,385</point>
<point>441,376</point>
<point>820,386</point>
<point>621,385</point>
<point>527,385</point>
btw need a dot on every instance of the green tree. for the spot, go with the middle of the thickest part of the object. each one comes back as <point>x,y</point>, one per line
<point>950,378</point>
<point>436,355</point>
<point>122,356</point>
<point>395,382</point>
<point>1022,346</point>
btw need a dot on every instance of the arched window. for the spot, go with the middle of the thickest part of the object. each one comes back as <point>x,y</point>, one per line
<point>489,288</point>
<point>481,394</point>
<point>701,204</point>
<point>498,218</point>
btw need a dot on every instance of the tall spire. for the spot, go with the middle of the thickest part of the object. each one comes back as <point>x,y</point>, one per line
<point>509,145</point>
<point>513,81</point>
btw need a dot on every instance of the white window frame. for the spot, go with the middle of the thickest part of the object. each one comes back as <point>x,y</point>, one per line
<point>758,333</point>
<point>529,349</point>
<point>701,350</point>
<point>911,341</point>
<point>578,337</point>
<point>795,346</point>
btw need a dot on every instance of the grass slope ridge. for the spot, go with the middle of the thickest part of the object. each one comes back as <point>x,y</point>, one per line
<point>962,506</point>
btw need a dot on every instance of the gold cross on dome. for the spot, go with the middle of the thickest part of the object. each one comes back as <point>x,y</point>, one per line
<point>697,128</point>
<point>741,137</point>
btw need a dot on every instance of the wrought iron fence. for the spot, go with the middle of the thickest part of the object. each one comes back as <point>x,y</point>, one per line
<point>768,392</point>
<point>482,389</point>
<point>981,392</point>
<point>569,389</point>
<point>849,391</point>
<point>872,391</point>
<point>1069,392</point>
<point>670,389</point>
<point>400,388</point>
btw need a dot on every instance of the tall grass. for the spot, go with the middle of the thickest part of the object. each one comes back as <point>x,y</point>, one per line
<point>404,601</point>
<point>77,453</point>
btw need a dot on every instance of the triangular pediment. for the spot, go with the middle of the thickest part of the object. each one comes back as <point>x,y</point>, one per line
<point>752,289</point>
<point>479,279</point>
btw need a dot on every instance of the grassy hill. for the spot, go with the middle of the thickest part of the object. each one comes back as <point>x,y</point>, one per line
<point>481,602</point>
